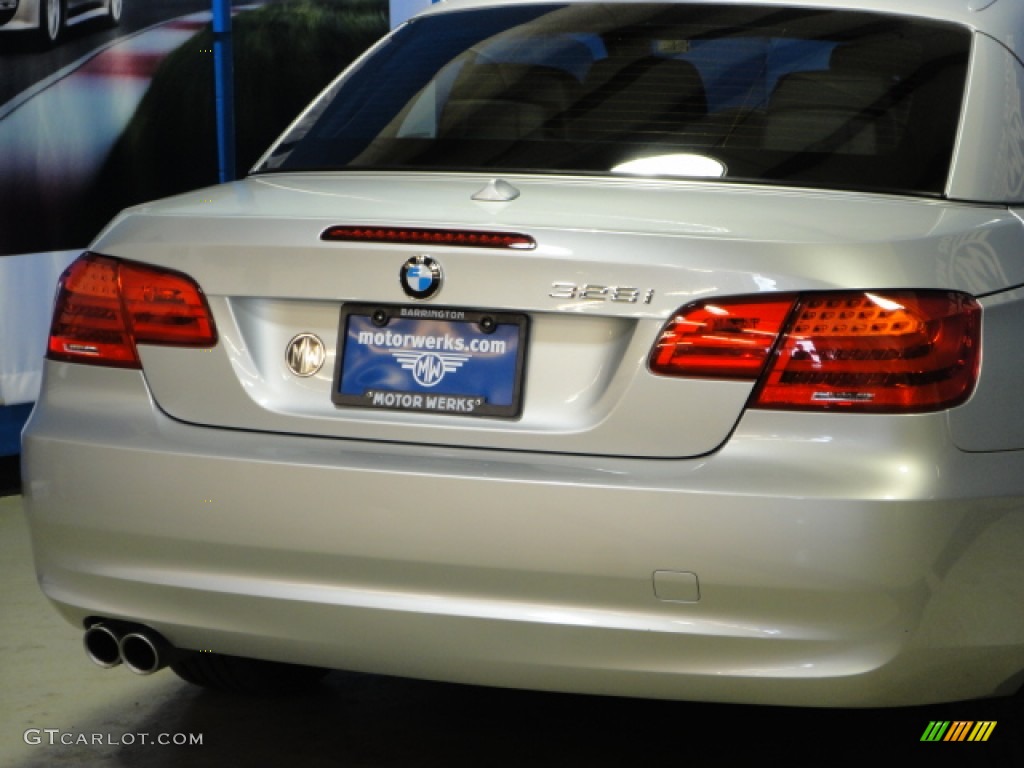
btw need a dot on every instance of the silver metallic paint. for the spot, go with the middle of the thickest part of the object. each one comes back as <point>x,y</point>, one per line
<point>842,560</point>
<point>587,390</point>
<point>536,570</point>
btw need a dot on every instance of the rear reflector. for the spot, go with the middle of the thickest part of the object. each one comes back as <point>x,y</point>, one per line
<point>105,307</point>
<point>882,352</point>
<point>417,236</point>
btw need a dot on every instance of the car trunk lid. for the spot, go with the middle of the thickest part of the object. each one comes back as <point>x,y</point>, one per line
<point>614,260</point>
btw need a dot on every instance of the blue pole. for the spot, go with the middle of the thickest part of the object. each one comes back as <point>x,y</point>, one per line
<point>224,89</point>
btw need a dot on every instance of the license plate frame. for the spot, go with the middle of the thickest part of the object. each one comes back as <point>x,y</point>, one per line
<point>430,360</point>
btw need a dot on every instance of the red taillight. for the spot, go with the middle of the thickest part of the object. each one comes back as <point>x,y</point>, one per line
<point>727,339</point>
<point>105,307</point>
<point>882,352</point>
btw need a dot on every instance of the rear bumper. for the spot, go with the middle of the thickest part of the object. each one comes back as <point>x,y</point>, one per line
<point>813,561</point>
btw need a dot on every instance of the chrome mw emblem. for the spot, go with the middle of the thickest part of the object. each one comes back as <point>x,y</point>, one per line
<point>305,355</point>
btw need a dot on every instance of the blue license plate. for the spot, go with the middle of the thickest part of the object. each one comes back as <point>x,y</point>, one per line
<point>451,361</point>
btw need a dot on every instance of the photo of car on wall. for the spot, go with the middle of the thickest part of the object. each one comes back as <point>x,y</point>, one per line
<point>47,19</point>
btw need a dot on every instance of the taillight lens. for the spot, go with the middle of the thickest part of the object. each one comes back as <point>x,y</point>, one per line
<point>882,352</point>
<point>727,339</point>
<point>105,307</point>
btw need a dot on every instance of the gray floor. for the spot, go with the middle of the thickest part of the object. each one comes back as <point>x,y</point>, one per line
<point>57,709</point>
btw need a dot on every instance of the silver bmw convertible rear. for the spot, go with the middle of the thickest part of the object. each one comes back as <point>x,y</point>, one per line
<point>659,349</point>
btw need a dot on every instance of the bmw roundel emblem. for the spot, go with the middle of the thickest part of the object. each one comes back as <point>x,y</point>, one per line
<point>421,277</point>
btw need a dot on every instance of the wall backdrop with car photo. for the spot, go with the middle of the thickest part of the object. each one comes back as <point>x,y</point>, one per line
<point>143,115</point>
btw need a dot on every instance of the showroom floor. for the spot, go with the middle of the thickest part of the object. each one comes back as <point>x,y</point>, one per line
<point>57,709</point>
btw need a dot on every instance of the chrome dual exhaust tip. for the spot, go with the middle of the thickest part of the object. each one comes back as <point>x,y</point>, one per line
<point>102,643</point>
<point>142,650</point>
<point>145,651</point>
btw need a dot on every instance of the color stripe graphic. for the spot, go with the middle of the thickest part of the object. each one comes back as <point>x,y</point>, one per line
<point>959,730</point>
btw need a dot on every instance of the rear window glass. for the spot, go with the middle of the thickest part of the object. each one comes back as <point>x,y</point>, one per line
<point>751,94</point>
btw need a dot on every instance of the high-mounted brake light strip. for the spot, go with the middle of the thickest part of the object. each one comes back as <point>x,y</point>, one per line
<point>419,236</point>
